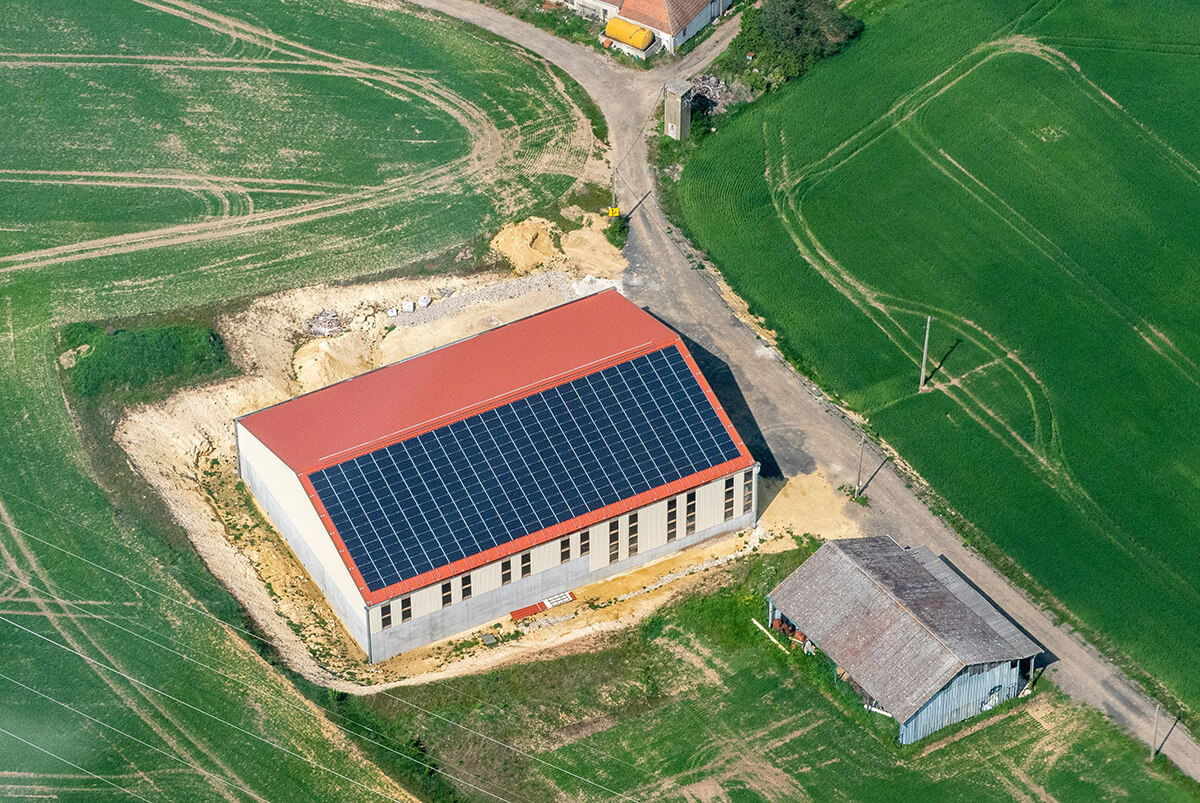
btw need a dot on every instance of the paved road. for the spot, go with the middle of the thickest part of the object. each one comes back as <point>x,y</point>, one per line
<point>789,424</point>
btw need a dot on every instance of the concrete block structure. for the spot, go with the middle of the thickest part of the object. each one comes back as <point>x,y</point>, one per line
<point>442,492</point>
<point>677,109</point>
<point>916,640</point>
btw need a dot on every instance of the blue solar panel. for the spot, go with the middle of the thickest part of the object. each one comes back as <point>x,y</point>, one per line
<point>430,500</point>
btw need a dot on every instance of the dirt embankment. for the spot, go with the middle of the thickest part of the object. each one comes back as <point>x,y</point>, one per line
<point>185,448</point>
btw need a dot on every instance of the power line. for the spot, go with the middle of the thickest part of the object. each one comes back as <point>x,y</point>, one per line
<point>187,658</point>
<point>73,764</point>
<point>276,646</point>
<point>515,749</point>
<point>205,578</point>
<point>197,709</point>
<point>197,768</point>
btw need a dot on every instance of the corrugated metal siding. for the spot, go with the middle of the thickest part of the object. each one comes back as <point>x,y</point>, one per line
<point>652,534</point>
<point>710,504</point>
<point>278,491</point>
<point>961,699</point>
<point>431,622</point>
<point>899,631</point>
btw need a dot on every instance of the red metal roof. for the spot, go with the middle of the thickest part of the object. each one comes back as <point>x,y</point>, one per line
<point>409,398</point>
<point>488,370</point>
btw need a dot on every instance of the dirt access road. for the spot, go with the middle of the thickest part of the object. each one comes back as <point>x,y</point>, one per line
<point>789,424</point>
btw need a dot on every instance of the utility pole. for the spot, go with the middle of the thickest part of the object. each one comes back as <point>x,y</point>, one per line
<point>925,355</point>
<point>1154,743</point>
<point>858,485</point>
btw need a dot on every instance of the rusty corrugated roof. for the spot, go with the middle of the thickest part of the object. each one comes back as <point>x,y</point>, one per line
<point>901,630</point>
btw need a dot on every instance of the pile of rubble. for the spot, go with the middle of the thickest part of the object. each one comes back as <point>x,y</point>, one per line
<point>707,93</point>
<point>328,323</point>
<point>325,323</point>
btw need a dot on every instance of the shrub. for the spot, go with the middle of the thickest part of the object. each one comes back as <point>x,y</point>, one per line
<point>784,38</point>
<point>130,361</point>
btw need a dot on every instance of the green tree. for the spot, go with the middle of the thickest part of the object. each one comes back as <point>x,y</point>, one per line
<point>783,38</point>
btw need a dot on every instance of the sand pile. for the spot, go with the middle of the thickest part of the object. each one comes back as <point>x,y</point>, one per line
<point>531,245</point>
<point>527,245</point>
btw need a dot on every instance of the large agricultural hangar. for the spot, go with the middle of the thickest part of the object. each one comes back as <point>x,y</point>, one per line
<point>445,491</point>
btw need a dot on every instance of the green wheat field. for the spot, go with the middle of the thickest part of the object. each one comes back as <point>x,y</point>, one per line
<point>1026,174</point>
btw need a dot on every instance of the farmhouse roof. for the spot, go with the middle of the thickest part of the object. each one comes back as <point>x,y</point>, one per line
<point>667,16</point>
<point>426,468</point>
<point>901,622</point>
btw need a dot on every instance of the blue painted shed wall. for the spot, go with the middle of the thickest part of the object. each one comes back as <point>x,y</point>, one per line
<point>960,699</point>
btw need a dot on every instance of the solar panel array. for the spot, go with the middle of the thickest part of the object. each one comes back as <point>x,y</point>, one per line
<point>463,488</point>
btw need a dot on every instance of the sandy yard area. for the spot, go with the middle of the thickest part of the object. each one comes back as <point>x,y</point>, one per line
<point>536,243</point>
<point>184,447</point>
<point>806,503</point>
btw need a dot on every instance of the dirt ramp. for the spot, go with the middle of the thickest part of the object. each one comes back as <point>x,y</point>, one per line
<point>327,360</point>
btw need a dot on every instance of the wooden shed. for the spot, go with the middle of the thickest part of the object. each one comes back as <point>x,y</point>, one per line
<point>920,643</point>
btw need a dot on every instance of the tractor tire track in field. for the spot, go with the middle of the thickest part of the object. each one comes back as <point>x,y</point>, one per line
<point>489,162</point>
<point>25,577</point>
<point>802,429</point>
<point>1042,453</point>
<point>907,111</point>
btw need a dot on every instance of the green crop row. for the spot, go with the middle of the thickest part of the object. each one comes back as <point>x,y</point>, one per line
<point>994,167</point>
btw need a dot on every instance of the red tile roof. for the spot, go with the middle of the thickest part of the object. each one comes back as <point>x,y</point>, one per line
<point>668,16</point>
<point>409,398</point>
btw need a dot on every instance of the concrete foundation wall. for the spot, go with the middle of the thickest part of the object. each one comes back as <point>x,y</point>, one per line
<point>279,493</point>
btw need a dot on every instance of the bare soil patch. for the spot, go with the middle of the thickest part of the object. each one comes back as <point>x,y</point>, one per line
<point>184,447</point>
<point>590,252</point>
<point>528,245</point>
<point>536,243</point>
<point>808,503</point>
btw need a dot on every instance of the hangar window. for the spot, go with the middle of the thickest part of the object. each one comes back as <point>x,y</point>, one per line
<point>466,586</point>
<point>385,616</point>
<point>447,594</point>
<point>405,609</point>
<point>564,550</point>
<point>747,491</point>
<point>505,572</point>
<point>633,534</point>
<point>690,514</point>
<point>672,518</point>
<point>527,564</point>
<point>728,498</point>
<point>585,542</point>
<point>614,541</point>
